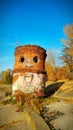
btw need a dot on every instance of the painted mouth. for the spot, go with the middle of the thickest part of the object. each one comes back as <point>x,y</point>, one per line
<point>28,78</point>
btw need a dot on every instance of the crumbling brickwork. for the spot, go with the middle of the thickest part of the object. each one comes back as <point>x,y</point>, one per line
<point>29,68</point>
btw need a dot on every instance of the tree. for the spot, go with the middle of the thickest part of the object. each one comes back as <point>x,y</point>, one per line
<point>67,51</point>
<point>53,57</point>
<point>61,73</point>
<point>50,72</point>
<point>6,76</point>
<point>50,58</point>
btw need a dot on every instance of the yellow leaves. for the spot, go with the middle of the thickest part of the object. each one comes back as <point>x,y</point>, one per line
<point>6,76</point>
<point>68,30</point>
<point>61,73</point>
<point>70,36</point>
<point>55,74</point>
<point>71,51</point>
<point>50,71</point>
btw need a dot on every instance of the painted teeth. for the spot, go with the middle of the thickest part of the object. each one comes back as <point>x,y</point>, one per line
<point>28,78</point>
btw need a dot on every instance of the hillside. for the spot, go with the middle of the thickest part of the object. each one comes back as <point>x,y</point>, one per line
<point>61,89</point>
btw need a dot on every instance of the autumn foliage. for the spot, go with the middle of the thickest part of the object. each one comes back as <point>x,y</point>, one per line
<point>57,73</point>
<point>64,70</point>
<point>61,73</point>
<point>6,77</point>
<point>67,51</point>
<point>50,72</point>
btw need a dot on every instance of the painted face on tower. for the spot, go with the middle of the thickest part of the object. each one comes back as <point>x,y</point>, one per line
<point>29,68</point>
<point>28,61</point>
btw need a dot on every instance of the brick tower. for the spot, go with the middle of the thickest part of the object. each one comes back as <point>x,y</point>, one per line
<point>29,69</point>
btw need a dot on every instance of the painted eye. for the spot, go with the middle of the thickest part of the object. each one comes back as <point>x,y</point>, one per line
<point>35,59</point>
<point>22,59</point>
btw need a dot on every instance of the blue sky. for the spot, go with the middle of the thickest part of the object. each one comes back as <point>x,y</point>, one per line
<point>39,22</point>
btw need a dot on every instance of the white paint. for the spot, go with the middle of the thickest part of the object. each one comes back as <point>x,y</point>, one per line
<point>29,83</point>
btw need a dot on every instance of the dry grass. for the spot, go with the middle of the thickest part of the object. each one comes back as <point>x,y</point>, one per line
<point>37,103</point>
<point>29,101</point>
<point>29,119</point>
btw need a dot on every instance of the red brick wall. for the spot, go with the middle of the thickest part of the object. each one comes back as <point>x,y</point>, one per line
<point>29,52</point>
